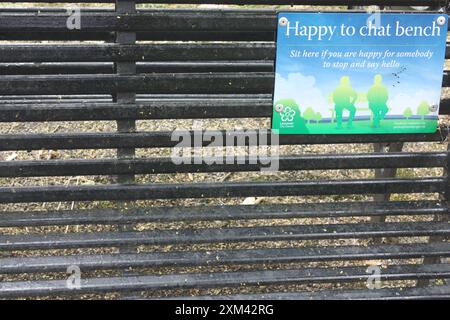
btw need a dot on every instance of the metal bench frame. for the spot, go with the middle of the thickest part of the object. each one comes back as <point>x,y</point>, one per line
<point>127,81</point>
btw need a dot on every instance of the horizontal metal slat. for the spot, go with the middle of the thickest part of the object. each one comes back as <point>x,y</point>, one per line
<point>170,214</point>
<point>52,98</point>
<point>157,83</point>
<point>224,235</point>
<point>42,68</point>
<point>139,52</point>
<point>162,139</point>
<point>215,190</point>
<point>257,82</point>
<point>306,2</point>
<point>425,293</point>
<point>77,167</point>
<point>16,109</point>
<point>148,52</point>
<point>141,67</point>
<point>149,20</point>
<point>141,36</point>
<point>264,2</point>
<point>161,109</point>
<point>200,35</point>
<point>226,279</point>
<point>18,265</point>
<point>154,83</point>
<point>166,21</point>
<point>215,25</point>
<point>107,36</point>
<point>140,97</point>
<point>43,6</point>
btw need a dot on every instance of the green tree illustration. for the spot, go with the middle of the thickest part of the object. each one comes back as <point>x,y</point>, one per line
<point>407,113</point>
<point>423,109</point>
<point>318,117</point>
<point>309,114</point>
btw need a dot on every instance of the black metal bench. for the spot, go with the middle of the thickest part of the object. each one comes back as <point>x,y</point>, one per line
<point>125,240</point>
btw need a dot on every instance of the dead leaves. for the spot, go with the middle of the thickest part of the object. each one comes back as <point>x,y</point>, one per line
<point>8,156</point>
<point>49,154</point>
<point>40,155</point>
<point>252,200</point>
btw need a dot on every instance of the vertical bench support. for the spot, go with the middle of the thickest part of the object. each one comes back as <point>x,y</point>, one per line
<point>125,97</point>
<point>385,173</point>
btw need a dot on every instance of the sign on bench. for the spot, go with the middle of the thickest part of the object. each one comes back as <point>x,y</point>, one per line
<point>358,73</point>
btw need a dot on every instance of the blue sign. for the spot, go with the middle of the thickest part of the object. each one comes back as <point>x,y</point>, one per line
<point>358,73</point>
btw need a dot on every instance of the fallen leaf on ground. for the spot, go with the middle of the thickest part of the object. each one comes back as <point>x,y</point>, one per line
<point>252,200</point>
